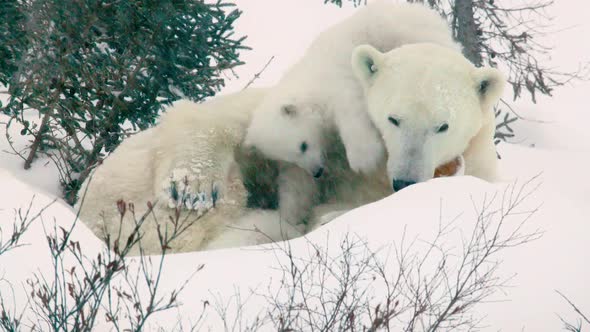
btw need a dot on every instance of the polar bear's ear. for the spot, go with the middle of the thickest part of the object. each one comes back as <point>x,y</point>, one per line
<point>289,110</point>
<point>366,61</point>
<point>490,84</point>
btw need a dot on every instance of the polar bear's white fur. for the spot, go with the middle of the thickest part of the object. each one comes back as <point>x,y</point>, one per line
<point>185,162</point>
<point>430,105</point>
<point>320,91</point>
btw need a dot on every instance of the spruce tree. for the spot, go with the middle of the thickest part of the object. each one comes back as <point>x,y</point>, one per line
<point>97,70</point>
<point>12,37</point>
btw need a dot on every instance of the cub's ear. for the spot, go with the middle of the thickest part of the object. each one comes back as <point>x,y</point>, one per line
<point>366,62</point>
<point>489,83</point>
<point>289,110</point>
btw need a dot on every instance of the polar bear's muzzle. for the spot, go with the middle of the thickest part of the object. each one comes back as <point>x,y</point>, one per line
<point>410,158</point>
<point>454,167</point>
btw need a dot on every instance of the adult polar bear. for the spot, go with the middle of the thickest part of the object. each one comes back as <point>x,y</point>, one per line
<point>430,105</point>
<point>186,161</point>
<point>320,93</point>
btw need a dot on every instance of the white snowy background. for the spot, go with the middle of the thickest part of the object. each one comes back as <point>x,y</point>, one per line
<point>553,141</point>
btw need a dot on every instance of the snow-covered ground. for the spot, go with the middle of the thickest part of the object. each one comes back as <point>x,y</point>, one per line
<point>535,271</point>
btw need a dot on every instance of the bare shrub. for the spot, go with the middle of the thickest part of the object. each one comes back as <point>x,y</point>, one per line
<point>23,218</point>
<point>582,318</point>
<point>82,286</point>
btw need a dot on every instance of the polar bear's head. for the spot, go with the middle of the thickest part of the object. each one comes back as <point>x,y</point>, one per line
<point>288,130</point>
<point>428,102</point>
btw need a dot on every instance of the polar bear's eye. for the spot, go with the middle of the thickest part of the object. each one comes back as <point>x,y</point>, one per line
<point>444,127</point>
<point>394,121</point>
<point>303,147</point>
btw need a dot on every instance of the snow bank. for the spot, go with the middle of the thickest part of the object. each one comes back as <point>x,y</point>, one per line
<point>43,174</point>
<point>414,216</point>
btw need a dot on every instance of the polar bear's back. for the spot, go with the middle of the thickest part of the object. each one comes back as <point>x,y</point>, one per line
<point>383,24</point>
<point>223,110</point>
<point>388,25</point>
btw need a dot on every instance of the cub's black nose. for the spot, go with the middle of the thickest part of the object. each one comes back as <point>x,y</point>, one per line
<point>401,184</point>
<point>318,172</point>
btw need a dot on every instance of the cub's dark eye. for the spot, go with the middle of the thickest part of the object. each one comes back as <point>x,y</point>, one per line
<point>444,127</point>
<point>303,147</point>
<point>394,121</point>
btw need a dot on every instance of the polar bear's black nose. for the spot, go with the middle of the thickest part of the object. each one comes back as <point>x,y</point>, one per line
<point>401,184</point>
<point>318,172</point>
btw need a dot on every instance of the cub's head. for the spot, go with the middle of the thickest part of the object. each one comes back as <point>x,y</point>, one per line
<point>288,131</point>
<point>428,102</point>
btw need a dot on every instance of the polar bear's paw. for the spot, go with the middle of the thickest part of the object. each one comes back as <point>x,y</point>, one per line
<point>182,195</point>
<point>185,194</point>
